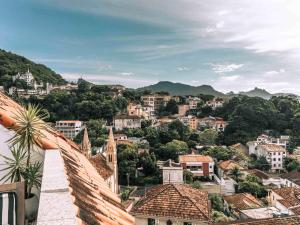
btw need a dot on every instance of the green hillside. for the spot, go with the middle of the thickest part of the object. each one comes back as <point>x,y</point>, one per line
<point>182,89</point>
<point>11,64</point>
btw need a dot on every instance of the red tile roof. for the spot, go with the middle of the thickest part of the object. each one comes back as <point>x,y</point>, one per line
<point>95,203</point>
<point>272,148</point>
<point>243,201</point>
<point>290,220</point>
<point>195,158</point>
<point>291,198</point>
<point>229,165</point>
<point>174,201</point>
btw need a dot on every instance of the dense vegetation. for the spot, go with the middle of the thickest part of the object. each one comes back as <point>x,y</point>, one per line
<point>11,64</point>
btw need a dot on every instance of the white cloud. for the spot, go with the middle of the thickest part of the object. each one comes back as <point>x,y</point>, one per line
<point>126,73</point>
<point>183,68</point>
<point>225,68</point>
<point>110,79</point>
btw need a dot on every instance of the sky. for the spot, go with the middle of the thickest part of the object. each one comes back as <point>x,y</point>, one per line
<point>233,45</point>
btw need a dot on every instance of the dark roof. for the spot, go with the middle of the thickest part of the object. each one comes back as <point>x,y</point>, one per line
<point>127,117</point>
<point>260,174</point>
<point>293,176</point>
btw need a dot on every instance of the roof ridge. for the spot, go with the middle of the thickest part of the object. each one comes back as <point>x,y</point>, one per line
<point>187,197</point>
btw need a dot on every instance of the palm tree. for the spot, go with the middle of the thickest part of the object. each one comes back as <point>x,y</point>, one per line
<point>33,176</point>
<point>236,173</point>
<point>15,165</point>
<point>28,126</point>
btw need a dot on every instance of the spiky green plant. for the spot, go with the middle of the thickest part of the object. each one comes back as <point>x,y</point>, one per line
<point>33,176</point>
<point>15,166</point>
<point>28,126</point>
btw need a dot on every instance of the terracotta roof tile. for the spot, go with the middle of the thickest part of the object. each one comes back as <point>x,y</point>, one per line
<point>291,198</point>
<point>243,201</point>
<point>93,199</point>
<point>290,220</point>
<point>293,176</point>
<point>195,158</point>
<point>100,164</point>
<point>272,148</point>
<point>174,201</point>
<point>229,165</point>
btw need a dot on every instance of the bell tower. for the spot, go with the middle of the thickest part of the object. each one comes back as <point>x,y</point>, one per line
<point>111,160</point>
<point>85,144</point>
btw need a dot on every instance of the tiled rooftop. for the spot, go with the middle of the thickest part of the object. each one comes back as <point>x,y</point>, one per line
<point>195,158</point>
<point>93,201</point>
<point>229,165</point>
<point>174,201</point>
<point>291,220</point>
<point>272,148</point>
<point>293,176</point>
<point>291,198</point>
<point>243,201</point>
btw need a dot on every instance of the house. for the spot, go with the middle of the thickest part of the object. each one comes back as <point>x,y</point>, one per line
<point>266,179</point>
<point>72,192</point>
<point>27,77</point>
<point>120,137</point>
<point>172,204</point>
<point>286,220</point>
<point>199,165</point>
<point>134,109</point>
<point>190,121</point>
<point>242,201</point>
<point>215,123</point>
<point>282,141</point>
<point>215,103</point>
<point>127,121</point>
<point>182,109</point>
<point>287,200</point>
<point>259,213</point>
<point>69,128</point>
<point>296,154</point>
<point>155,100</point>
<point>291,179</point>
<point>172,172</point>
<point>225,167</point>
<point>273,153</point>
<point>193,102</point>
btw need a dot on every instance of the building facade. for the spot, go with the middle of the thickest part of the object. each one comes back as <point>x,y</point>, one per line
<point>127,121</point>
<point>69,128</point>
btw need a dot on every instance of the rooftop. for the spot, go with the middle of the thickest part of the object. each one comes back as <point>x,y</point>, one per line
<point>290,198</point>
<point>293,176</point>
<point>195,158</point>
<point>290,220</point>
<point>243,201</point>
<point>272,148</point>
<point>92,200</point>
<point>174,201</point>
<point>229,165</point>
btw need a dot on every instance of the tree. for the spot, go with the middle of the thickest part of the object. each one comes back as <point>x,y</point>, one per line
<point>188,176</point>
<point>261,163</point>
<point>197,184</point>
<point>291,164</point>
<point>216,202</point>
<point>219,153</point>
<point>208,137</point>
<point>172,107</point>
<point>253,188</point>
<point>236,173</point>
<point>28,126</point>
<point>174,148</point>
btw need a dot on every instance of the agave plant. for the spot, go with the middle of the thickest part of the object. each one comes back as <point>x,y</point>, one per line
<point>32,176</point>
<point>15,166</point>
<point>28,126</point>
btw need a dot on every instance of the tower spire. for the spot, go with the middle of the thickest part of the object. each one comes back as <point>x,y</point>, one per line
<point>86,145</point>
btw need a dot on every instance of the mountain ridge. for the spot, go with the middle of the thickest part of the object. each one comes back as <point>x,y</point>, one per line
<point>185,89</point>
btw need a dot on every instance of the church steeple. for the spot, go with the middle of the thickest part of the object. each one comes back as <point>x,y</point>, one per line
<point>111,160</point>
<point>85,144</point>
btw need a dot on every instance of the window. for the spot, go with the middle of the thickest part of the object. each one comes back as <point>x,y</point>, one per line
<point>187,223</point>
<point>274,165</point>
<point>110,158</point>
<point>274,159</point>
<point>151,221</point>
<point>169,222</point>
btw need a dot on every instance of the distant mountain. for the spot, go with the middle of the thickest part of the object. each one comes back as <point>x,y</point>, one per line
<point>257,92</point>
<point>181,89</point>
<point>11,64</point>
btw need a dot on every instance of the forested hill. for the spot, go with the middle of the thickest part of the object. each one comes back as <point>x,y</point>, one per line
<point>11,64</point>
<point>181,89</point>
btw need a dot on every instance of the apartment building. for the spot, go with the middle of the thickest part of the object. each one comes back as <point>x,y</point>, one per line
<point>155,100</point>
<point>69,128</point>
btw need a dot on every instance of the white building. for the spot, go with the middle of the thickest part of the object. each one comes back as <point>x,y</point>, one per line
<point>145,111</point>
<point>273,153</point>
<point>199,165</point>
<point>172,172</point>
<point>155,100</point>
<point>127,121</point>
<point>69,128</point>
<point>27,77</point>
<point>215,103</point>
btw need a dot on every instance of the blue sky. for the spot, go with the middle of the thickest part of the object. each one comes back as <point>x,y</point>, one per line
<point>236,45</point>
